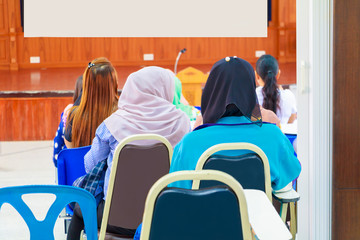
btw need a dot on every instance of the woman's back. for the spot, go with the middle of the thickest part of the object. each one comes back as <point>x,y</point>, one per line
<point>270,94</point>
<point>287,104</point>
<point>98,101</point>
<point>268,137</point>
<point>145,106</point>
<point>231,113</point>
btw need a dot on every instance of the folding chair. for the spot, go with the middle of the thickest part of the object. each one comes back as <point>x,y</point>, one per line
<point>213,213</point>
<point>288,197</point>
<point>44,230</point>
<point>252,171</point>
<point>134,170</point>
<point>70,166</point>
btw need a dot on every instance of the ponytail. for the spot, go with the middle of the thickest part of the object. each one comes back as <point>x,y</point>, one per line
<point>267,67</point>
<point>270,92</point>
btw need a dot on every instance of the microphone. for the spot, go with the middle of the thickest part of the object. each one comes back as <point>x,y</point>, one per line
<point>177,59</point>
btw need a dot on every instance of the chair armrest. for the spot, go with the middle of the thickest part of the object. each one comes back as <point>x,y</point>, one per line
<point>263,218</point>
<point>287,196</point>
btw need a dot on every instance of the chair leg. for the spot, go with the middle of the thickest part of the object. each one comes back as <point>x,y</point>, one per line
<point>67,224</point>
<point>283,211</point>
<point>253,234</point>
<point>293,221</point>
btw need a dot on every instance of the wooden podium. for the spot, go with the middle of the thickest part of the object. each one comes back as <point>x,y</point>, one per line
<point>192,81</point>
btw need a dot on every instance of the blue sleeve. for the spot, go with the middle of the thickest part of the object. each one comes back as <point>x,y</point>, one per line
<point>100,148</point>
<point>178,165</point>
<point>59,143</point>
<point>287,167</point>
<point>138,232</point>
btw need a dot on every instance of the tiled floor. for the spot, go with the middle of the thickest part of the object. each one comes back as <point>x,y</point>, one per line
<point>26,163</point>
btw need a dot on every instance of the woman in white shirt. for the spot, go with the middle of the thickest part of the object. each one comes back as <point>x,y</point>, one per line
<point>270,95</point>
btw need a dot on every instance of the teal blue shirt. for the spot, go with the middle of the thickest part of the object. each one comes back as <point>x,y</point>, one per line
<point>284,166</point>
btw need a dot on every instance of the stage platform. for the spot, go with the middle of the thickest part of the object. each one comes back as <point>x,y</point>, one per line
<point>31,100</point>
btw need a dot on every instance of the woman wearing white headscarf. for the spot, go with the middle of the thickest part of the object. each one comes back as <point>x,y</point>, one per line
<point>145,106</point>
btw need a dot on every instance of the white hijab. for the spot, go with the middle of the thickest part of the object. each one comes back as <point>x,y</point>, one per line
<point>145,106</point>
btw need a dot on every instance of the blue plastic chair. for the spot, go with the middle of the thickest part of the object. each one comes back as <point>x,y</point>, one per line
<point>291,137</point>
<point>44,230</point>
<point>71,164</point>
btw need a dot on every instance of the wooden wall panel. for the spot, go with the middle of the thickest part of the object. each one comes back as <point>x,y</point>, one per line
<point>24,119</point>
<point>287,31</point>
<point>4,53</point>
<point>74,52</point>
<point>56,52</point>
<point>346,219</point>
<point>3,18</point>
<point>346,124</point>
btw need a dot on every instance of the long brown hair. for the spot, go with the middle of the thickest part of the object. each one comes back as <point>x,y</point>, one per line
<point>98,101</point>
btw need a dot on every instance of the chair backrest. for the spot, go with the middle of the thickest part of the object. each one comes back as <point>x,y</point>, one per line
<point>251,170</point>
<point>71,164</point>
<point>135,168</point>
<point>44,230</point>
<point>214,213</point>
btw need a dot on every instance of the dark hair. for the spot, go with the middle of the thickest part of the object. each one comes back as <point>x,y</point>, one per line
<point>267,68</point>
<point>78,88</point>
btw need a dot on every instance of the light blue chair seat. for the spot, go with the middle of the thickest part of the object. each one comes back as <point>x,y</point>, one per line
<point>44,230</point>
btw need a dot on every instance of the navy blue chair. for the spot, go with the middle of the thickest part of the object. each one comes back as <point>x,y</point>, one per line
<point>213,213</point>
<point>251,169</point>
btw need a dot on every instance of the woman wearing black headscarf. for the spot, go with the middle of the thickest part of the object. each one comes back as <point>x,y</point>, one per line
<point>231,113</point>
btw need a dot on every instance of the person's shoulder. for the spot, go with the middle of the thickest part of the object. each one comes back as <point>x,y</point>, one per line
<point>192,137</point>
<point>288,96</point>
<point>271,128</point>
<point>102,129</point>
<point>288,92</point>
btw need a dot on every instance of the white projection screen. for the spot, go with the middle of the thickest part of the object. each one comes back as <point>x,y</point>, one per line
<point>145,18</point>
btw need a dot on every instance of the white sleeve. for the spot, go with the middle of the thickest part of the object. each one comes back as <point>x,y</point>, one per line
<point>291,98</point>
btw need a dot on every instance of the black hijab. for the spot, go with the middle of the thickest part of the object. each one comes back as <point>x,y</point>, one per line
<point>231,84</point>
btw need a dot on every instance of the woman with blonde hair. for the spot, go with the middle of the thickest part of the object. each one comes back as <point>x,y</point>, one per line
<point>98,101</point>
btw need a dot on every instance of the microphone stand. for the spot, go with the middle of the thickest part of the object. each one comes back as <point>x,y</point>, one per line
<point>177,59</point>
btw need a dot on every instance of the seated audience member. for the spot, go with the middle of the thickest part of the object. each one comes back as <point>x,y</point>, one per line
<point>145,106</point>
<point>59,143</point>
<point>98,101</point>
<point>266,116</point>
<point>270,95</point>
<point>231,113</point>
<point>181,103</point>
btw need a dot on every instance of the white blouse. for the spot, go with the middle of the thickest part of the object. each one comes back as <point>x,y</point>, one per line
<point>287,104</point>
